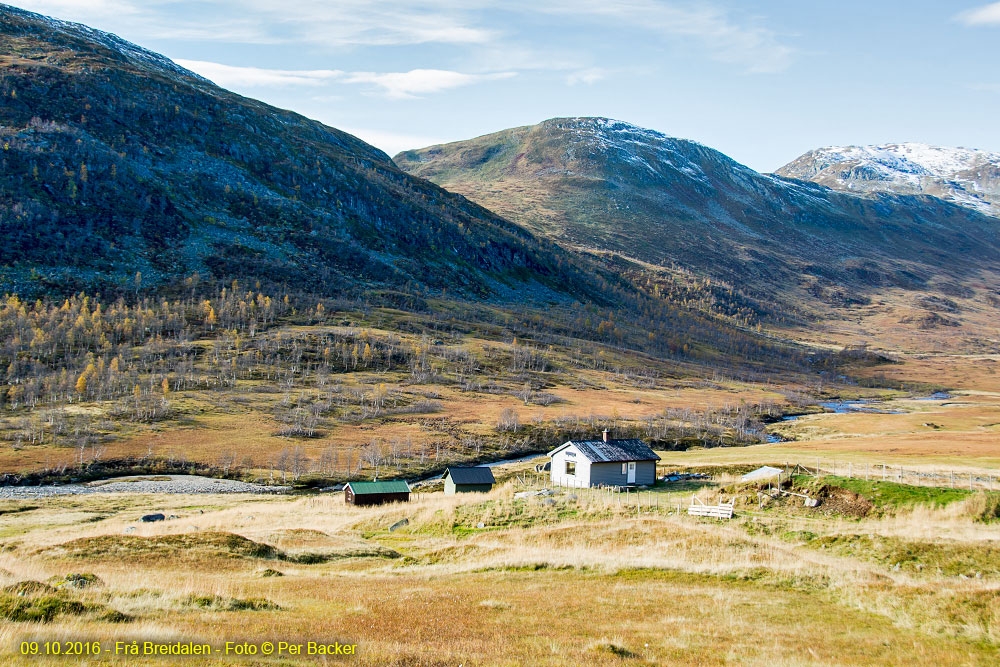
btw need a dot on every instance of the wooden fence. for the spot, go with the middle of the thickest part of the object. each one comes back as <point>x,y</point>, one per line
<point>884,472</point>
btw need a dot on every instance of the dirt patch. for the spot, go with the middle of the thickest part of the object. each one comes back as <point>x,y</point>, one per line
<point>835,500</point>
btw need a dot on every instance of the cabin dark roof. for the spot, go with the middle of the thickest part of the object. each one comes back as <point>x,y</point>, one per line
<point>612,451</point>
<point>477,475</point>
<point>365,488</point>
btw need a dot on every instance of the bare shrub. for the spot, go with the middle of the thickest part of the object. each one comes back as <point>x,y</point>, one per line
<point>508,421</point>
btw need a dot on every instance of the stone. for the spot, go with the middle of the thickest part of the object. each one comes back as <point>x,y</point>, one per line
<point>399,524</point>
<point>149,518</point>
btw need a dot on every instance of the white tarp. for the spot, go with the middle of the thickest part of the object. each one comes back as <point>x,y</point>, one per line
<point>760,473</point>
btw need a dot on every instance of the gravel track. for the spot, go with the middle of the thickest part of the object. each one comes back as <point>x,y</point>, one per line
<point>141,484</point>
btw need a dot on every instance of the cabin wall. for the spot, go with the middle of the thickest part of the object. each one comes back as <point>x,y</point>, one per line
<point>610,474</point>
<point>367,499</point>
<point>472,488</point>
<point>557,472</point>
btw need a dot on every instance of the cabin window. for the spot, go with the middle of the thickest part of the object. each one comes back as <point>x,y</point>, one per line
<point>624,466</point>
<point>571,467</point>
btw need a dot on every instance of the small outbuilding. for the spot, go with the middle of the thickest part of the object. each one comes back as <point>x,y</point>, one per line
<point>465,480</point>
<point>376,493</point>
<point>605,462</point>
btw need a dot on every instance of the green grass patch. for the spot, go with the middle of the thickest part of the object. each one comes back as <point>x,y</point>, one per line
<point>183,547</point>
<point>948,558</point>
<point>39,609</point>
<point>884,495</point>
<point>218,603</point>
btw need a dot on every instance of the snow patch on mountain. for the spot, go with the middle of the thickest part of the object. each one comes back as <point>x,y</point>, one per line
<point>909,158</point>
<point>964,176</point>
<point>132,52</point>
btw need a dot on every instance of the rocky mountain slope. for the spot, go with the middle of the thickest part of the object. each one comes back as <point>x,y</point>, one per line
<point>969,178</point>
<point>605,185</point>
<point>116,161</point>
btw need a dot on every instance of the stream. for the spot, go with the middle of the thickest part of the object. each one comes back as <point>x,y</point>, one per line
<point>845,407</point>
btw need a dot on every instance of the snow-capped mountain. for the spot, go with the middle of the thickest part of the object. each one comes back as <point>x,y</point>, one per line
<point>967,177</point>
<point>606,185</point>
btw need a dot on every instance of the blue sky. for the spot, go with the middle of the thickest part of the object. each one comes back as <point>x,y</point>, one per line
<point>762,81</point>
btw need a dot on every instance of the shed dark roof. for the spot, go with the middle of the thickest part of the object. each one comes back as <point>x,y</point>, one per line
<point>612,451</point>
<point>365,488</point>
<point>477,475</point>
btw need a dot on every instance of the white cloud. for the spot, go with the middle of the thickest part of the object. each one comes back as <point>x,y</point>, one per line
<point>985,15</point>
<point>229,76</point>
<point>60,8</point>
<point>395,85</point>
<point>725,36</point>
<point>752,46</point>
<point>313,22</point>
<point>403,85</point>
<point>587,76</point>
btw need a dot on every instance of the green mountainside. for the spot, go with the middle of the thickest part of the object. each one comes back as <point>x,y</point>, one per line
<point>604,185</point>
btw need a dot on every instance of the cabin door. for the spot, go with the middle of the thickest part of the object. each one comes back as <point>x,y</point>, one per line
<point>631,472</point>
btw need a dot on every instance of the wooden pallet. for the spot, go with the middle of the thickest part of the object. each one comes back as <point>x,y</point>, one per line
<point>720,511</point>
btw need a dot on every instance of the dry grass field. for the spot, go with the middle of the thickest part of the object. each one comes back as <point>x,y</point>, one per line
<point>880,573</point>
<point>578,578</point>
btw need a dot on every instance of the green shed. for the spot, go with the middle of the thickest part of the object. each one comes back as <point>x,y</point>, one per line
<point>464,480</point>
<point>376,493</point>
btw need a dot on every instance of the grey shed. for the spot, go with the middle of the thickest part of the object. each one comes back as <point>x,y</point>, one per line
<point>463,480</point>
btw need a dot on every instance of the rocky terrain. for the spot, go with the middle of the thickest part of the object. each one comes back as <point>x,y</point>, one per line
<point>140,484</point>
<point>966,177</point>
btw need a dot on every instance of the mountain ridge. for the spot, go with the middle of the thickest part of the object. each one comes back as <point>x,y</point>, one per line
<point>117,161</point>
<point>594,177</point>
<point>795,250</point>
<point>967,177</point>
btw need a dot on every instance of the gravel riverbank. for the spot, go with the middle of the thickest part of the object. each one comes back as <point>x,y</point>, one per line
<point>141,484</point>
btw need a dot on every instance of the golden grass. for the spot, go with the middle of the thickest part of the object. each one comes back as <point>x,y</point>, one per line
<point>583,579</point>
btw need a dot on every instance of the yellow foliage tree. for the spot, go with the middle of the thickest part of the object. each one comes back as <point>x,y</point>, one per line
<point>81,384</point>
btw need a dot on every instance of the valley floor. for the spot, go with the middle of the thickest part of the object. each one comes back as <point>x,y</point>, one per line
<point>880,573</point>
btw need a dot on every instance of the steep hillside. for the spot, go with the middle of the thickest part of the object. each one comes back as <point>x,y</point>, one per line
<point>116,161</point>
<point>605,185</point>
<point>124,174</point>
<point>966,177</point>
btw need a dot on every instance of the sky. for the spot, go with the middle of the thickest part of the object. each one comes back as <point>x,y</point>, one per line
<point>760,80</point>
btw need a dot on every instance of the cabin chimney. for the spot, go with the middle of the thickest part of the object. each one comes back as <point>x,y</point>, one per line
<point>605,435</point>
